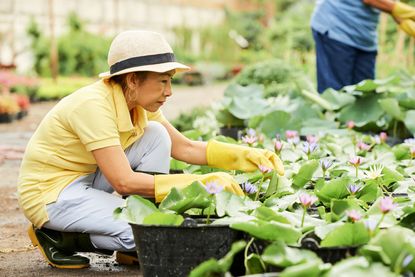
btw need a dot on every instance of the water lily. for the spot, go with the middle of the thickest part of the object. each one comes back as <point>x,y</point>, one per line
<point>213,187</point>
<point>412,152</point>
<point>278,146</point>
<point>353,189</point>
<point>353,215</point>
<point>250,140</point>
<point>409,141</point>
<point>383,136</point>
<point>264,169</point>
<point>375,171</point>
<point>306,201</point>
<point>387,205</point>
<point>350,124</point>
<point>356,161</point>
<point>292,137</point>
<point>325,165</point>
<point>309,148</point>
<point>311,139</point>
<point>363,146</point>
<point>371,226</point>
<point>249,188</point>
<point>251,132</point>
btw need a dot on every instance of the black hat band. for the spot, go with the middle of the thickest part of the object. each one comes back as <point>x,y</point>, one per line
<point>141,61</point>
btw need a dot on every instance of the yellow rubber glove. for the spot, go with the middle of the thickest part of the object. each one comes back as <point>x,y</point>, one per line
<point>404,11</point>
<point>164,183</point>
<point>237,157</point>
<point>408,26</point>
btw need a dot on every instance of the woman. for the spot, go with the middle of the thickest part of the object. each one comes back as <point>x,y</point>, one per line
<point>101,139</point>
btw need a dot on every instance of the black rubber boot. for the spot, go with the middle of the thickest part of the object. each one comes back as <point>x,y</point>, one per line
<point>59,248</point>
<point>53,255</point>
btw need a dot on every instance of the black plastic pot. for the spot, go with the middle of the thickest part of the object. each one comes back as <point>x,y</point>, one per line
<point>233,132</point>
<point>176,250</point>
<point>327,254</point>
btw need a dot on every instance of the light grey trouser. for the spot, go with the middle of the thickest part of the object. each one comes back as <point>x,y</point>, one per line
<point>87,204</point>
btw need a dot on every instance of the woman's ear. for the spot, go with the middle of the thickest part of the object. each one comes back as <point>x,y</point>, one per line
<point>131,81</point>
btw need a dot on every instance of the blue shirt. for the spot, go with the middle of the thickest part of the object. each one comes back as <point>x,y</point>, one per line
<point>348,21</point>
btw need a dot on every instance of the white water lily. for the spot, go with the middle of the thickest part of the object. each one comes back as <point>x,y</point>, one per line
<point>374,172</point>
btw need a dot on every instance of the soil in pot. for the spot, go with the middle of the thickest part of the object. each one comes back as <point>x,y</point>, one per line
<point>176,250</point>
<point>233,132</point>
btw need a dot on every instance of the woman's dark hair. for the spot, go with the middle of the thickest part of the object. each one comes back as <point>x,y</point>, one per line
<point>122,79</point>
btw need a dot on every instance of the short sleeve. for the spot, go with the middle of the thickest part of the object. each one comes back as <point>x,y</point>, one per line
<point>94,122</point>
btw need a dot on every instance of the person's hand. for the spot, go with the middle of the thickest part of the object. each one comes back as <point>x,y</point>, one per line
<point>403,11</point>
<point>164,183</point>
<point>238,157</point>
<point>408,26</point>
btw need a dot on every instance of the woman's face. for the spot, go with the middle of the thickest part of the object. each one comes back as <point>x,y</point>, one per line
<point>152,92</point>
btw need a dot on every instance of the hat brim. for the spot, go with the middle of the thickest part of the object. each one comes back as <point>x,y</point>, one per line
<point>163,67</point>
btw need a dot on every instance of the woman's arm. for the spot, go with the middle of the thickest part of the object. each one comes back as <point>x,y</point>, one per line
<point>184,149</point>
<point>383,5</point>
<point>115,166</point>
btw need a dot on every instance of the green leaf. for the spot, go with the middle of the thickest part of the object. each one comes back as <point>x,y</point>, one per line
<point>393,242</point>
<point>340,206</point>
<point>401,152</point>
<point>334,189</point>
<point>177,165</point>
<point>276,122</point>
<point>278,254</point>
<point>268,214</point>
<point>410,122</point>
<point>193,196</point>
<point>390,176</point>
<point>309,269</point>
<point>254,264</point>
<point>206,269</point>
<point>237,91</point>
<point>269,230</point>
<point>316,98</point>
<point>228,203</point>
<point>367,86</point>
<point>273,185</point>
<point>135,210</point>
<point>337,99</point>
<point>359,267</point>
<point>365,110</point>
<point>159,218</point>
<point>391,107</point>
<point>245,108</point>
<point>349,234</point>
<point>305,173</point>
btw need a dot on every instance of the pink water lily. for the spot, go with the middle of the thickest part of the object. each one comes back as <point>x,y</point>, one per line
<point>387,205</point>
<point>278,146</point>
<point>325,164</point>
<point>353,215</point>
<point>356,161</point>
<point>264,169</point>
<point>350,124</point>
<point>213,187</point>
<point>309,148</point>
<point>363,146</point>
<point>383,136</point>
<point>311,139</point>
<point>250,140</point>
<point>307,200</point>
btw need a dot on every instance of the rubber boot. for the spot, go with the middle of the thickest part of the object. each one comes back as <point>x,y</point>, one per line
<point>53,255</point>
<point>127,258</point>
<point>59,248</point>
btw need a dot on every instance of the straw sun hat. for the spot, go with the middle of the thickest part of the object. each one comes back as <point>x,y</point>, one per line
<point>140,51</point>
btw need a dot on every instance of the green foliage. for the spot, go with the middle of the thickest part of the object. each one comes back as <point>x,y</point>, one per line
<point>184,121</point>
<point>80,52</point>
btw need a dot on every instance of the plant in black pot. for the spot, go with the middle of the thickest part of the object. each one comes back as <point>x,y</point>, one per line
<point>239,104</point>
<point>170,242</point>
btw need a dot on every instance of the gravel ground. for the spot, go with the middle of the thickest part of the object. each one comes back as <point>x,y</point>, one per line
<point>17,256</point>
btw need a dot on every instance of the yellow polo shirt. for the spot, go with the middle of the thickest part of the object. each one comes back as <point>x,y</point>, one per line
<point>59,152</point>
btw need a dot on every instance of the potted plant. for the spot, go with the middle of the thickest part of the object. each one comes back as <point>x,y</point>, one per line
<point>8,109</point>
<point>170,242</point>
